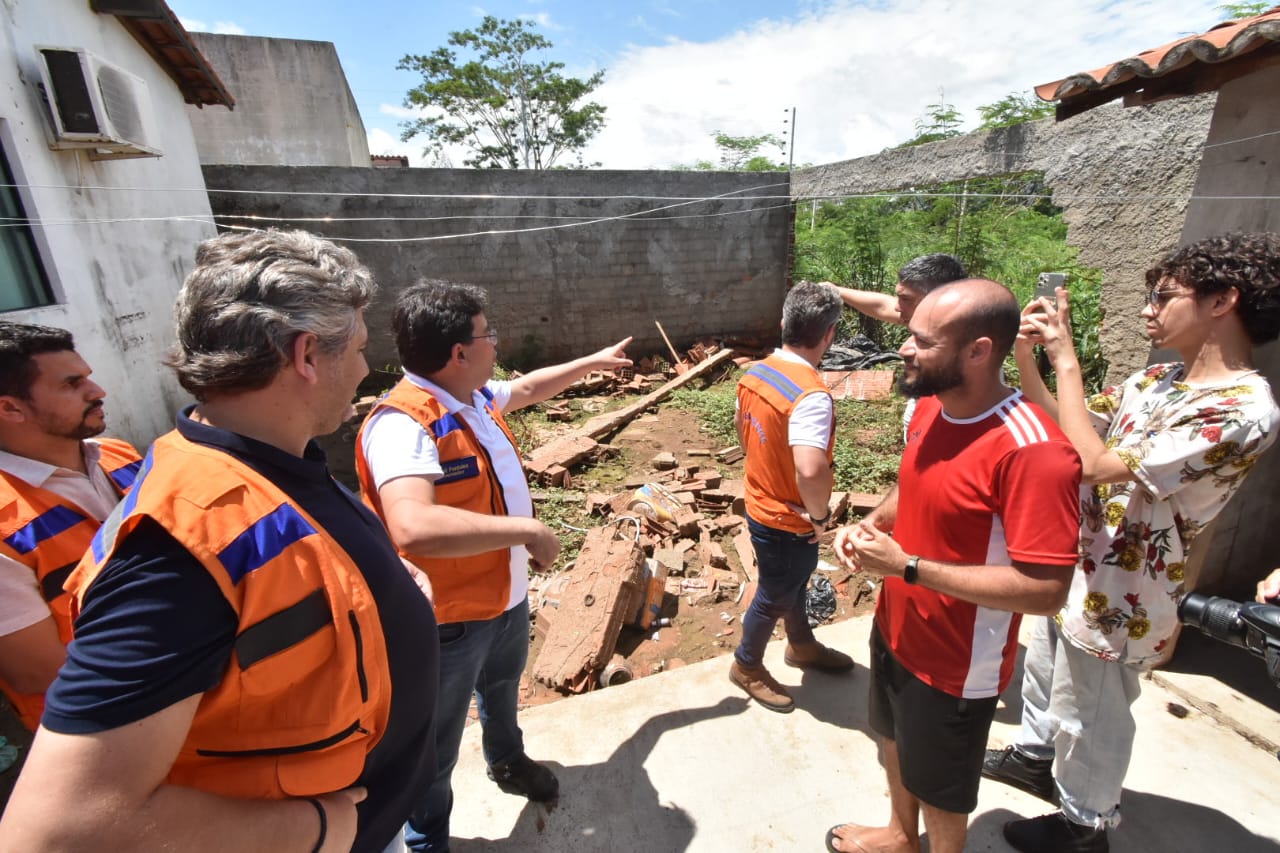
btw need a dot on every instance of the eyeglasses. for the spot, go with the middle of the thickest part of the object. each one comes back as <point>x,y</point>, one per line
<point>1157,298</point>
<point>491,335</point>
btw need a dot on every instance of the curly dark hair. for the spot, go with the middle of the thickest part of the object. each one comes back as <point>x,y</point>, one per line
<point>1248,262</point>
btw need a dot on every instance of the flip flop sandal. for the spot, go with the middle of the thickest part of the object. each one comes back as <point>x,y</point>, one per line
<point>831,836</point>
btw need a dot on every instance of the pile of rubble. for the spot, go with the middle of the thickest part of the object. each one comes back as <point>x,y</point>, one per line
<point>661,542</point>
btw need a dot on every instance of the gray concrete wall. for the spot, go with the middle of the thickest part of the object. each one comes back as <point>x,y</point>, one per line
<point>1122,176</point>
<point>597,255</point>
<point>1237,190</point>
<point>293,105</point>
<point>117,237</point>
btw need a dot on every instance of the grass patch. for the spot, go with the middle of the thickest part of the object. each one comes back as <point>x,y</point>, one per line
<point>560,508</point>
<point>713,406</point>
<point>868,444</point>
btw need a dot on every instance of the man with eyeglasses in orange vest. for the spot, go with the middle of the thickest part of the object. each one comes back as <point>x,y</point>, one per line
<point>57,483</point>
<point>437,462</point>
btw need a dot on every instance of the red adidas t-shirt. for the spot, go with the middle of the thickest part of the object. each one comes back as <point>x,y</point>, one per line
<point>989,490</point>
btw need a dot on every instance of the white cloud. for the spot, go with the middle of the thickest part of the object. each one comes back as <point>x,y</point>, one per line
<point>542,19</point>
<point>398,111</point>
<point>229,28</point>
<point>858,75</point>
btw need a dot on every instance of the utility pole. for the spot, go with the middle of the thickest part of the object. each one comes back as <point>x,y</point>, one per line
<point>791,144</point>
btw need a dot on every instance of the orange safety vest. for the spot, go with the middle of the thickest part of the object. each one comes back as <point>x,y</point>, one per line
<point>307,690</point>
<point>466,588</point>
<point>767,394</point>
<point>49,535</point>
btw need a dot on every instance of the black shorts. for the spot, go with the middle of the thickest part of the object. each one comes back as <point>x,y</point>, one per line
<point>941,738</point>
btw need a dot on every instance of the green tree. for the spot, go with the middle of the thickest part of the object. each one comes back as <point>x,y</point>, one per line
<point>1236,11</point>
<point>1005,228</point>
<point>508,110</point>
<point>940,121</point>
<point>741,154</point>
<point>1014,108</point>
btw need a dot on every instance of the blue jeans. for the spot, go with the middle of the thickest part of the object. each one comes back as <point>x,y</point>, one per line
<point>785,561</point>
<point>485,658</point>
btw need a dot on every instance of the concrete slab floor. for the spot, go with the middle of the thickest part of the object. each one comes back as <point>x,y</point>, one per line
<point>682,762</point>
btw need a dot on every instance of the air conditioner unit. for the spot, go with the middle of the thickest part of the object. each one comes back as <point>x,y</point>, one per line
<point>95,105</point>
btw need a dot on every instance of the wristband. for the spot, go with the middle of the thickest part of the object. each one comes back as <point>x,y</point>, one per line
<point>820,522</point>
<point>324,823</point>
<point>911,574</point>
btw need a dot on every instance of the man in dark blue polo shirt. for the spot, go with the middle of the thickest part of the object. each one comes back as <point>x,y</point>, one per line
<point>254,668</point>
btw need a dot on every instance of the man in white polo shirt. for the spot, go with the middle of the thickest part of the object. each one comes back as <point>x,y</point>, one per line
<point>57,484</point>
<point>437,462</point>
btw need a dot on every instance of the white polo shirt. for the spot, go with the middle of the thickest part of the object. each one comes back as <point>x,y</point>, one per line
<point>396,445</point>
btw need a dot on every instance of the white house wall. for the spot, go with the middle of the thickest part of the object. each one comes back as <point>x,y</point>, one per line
<point>116,237</point>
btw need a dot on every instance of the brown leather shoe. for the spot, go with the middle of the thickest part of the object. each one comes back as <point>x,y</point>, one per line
<point>817,656</point>
<point>762,687</point>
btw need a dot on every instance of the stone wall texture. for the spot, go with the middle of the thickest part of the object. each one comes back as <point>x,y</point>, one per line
<point>1123,176</point>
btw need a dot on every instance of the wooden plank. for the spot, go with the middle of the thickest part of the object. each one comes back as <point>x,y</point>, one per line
<point>602,425</point>
<point>597,598</point>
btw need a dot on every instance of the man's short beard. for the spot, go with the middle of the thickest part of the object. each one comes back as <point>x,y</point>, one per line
<point>930,385</point>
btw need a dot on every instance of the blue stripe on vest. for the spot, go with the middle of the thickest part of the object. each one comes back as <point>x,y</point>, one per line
<point>44,526</point>
<point>265,540</point>
<point>488,395</point>
<point>772,377</point>
<point>445,425</point>
<point>125,476</point>
<point>104,541</point>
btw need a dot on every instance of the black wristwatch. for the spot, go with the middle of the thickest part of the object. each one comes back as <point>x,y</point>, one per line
<point>820,522</point>
<point>911,574</point>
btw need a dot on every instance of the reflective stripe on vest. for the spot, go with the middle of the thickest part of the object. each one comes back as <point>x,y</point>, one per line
<point>306,694</point>
<point>767,395</point>
<point>49,535</point>
<point>466,588</point>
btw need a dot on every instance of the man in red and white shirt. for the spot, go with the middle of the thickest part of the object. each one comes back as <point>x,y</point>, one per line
<point>980,529</point>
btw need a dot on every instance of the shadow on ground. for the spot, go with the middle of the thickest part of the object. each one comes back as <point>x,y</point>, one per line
<point>623,802</point>
<point>1198,828</point>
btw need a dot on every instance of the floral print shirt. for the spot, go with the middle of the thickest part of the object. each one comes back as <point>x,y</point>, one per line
<point>1190,447</point>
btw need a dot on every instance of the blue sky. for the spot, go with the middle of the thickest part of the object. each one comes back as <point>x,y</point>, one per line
<point>858,73</point>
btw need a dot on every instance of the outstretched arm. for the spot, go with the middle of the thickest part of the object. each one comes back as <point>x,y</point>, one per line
<point>546,382</point>
<point>880,306</point>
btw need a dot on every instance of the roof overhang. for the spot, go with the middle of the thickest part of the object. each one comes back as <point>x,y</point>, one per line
<point>1189,66</point>
<point>158,30</point>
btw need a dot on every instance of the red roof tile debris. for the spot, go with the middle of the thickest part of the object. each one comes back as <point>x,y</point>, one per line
<point>1187,66</point>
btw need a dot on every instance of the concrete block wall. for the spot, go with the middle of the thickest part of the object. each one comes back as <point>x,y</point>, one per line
<point>572,260</point>
<point>293,105</point>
